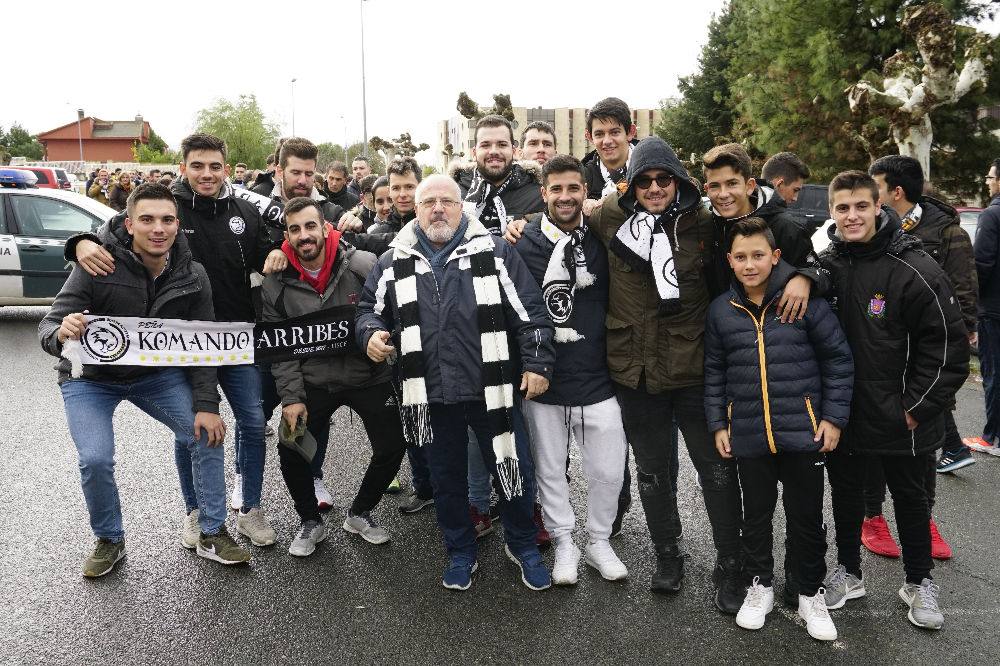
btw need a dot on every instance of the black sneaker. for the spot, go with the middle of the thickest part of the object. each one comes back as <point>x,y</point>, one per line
<point>415,504</point>
<point>951,462</point>
<point>669,570</point>
<point>730,589</point>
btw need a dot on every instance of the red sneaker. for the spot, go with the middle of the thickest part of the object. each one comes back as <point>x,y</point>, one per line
<point>481,522</point>
<point>940,550</point>
<point>542,538</point>
<point>981,445</point>
<point>876,537</point>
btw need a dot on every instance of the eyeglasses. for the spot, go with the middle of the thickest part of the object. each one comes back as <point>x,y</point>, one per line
<point>643,182</point>
<point>430,204</point>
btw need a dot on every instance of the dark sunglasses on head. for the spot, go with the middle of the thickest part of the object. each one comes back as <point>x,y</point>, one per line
<point>643,182</point>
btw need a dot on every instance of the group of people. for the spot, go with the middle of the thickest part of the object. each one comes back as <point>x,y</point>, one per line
<point>112,188</point>
<point>513,307</point>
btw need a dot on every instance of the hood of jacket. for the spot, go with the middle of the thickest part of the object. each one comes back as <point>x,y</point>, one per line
<point>655,153</point>
<point>523,172</point>
<point>780,275</point>
<point>888,239</point>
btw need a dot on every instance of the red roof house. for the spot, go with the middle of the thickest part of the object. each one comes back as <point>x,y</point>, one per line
<point>103,140</point>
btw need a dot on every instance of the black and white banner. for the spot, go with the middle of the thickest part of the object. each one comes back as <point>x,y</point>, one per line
<point>179,342</point>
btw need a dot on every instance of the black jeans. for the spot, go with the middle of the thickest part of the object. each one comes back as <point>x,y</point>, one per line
<point>904,476</point>
<point>875,479</point>
<point>648,419</point>
<point>625,496</point>
<point>269,399</point>
<point>380,417</point>
<point>801,477</point>
<point>448,459</point>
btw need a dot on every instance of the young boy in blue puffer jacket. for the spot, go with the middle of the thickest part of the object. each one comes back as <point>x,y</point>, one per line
<point>776,396</point>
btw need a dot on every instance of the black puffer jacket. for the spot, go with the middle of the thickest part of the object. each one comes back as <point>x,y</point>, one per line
<point>772,383</point>
<point>595,179</point>
<point>911,352</point>
<point>581,374</point>
<point>344,198</point>
<point>181,292</point>
<point>522,196</point>
<point>794,241</point>
<point>987,251</point>
<point>226,235</point>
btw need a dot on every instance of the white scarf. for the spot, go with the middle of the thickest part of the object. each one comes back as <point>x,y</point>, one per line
<point>565,273</point>
<point>647,243</point>
<point>610,185</point>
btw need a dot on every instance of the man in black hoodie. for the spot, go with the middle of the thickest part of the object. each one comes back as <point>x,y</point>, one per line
<point>911,354</point>
<point>571,266</point>
<point>229,238</point>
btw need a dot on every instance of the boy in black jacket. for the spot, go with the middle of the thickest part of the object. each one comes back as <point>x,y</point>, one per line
<point>906,332</point>
<point>776,396</point>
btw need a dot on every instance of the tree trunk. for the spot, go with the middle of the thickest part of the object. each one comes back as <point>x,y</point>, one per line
<point>915,141</point>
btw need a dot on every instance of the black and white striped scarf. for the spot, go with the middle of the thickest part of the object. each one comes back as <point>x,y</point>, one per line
<point>498,371</point>
<point>484,203</point>
<point>647,242</point>
<point>564,274</point>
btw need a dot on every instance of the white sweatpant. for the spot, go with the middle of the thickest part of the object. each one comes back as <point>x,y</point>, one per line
<point>600,435</point>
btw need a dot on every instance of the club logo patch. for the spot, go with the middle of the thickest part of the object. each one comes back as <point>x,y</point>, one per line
<point>105,339</point>
<point>559,302</point>
<point>876,306</point>
<point>237,225</point>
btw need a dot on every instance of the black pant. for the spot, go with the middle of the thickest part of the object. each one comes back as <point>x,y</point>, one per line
<point>269,399</point>
<point>801,477</point>
<point>380,417</point>
<point>875,480</point>
<point>648,419</point>
<point>904,476</point>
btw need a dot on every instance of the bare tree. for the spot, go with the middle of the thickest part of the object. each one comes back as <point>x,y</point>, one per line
<point>400,146</point>
<point>472,111</point>
<point>909,93</point>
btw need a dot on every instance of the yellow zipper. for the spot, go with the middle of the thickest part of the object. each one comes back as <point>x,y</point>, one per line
<point>762,356</point>
<point>812,415</point>
<point>729,416</point>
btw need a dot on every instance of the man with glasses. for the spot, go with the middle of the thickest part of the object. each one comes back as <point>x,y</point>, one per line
<point>461,316</point>
<point>986,249</point>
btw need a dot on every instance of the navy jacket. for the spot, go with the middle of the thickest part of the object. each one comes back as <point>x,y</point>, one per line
<point>581,374</point>
<point>449,326</point>
<point>987,251</point>
<point>772,383</point>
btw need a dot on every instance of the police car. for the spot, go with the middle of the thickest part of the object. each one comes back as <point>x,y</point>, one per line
<point>34,226</point>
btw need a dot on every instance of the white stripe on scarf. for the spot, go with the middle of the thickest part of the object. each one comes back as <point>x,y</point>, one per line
<point>558,286</point>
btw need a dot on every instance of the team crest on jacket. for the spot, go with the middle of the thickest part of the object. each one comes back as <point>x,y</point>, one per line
<point>237,225</point>
<point>876,306</point>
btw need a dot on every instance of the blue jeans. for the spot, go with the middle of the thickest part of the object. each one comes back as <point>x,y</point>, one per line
<point>166,396</point>
<point>989,366</point>
<point>479,476</point>
<point>447,457</point>
<point>241,386</point>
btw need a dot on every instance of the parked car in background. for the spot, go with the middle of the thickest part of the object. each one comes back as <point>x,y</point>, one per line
<point>34,226</point>
<point>812,208</point>
<point>969,218</point>
<point>49,178</point>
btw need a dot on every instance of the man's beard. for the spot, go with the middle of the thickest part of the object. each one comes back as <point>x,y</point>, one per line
<point>555,215</point>
<point>310,253</point>
<point>291,193</point>
<point>439,233</point>
<point>496,174</point>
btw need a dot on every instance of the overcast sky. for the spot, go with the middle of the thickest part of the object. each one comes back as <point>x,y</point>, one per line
<point>419,55</point>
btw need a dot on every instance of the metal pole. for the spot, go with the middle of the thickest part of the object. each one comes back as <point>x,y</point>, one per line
<point>364,99</point>
<point>79,133</point>
<point>293,107</point>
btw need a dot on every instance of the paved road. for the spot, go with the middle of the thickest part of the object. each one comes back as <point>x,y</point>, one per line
<point>354,602</point>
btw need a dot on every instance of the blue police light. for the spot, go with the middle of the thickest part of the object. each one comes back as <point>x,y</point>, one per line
<point>17,178</point>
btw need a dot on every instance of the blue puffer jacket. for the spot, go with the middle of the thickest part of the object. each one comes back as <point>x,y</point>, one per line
<point>449,324</point>
<point>772,383</point>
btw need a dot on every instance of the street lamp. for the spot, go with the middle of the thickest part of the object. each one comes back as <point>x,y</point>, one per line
<point>293,107</point>
<point>79,134</point>
<point>364,100</point>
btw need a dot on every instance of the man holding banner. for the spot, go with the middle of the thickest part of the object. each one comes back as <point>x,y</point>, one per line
<point>328,375</point>
<point>155,277</point>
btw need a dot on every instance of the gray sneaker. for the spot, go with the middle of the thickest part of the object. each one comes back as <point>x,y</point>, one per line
<point>190,530</point>
<point>104,558</point>
<point>366,527</point>
<point>841,586</point>
<point>255,526</point>
<point>310,534</point>
<point>923,602</point>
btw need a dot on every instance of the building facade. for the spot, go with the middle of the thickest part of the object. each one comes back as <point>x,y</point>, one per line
<point>101,140</point>
<point>569,123</point>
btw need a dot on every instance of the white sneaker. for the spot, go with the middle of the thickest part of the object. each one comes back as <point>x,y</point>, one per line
<point>190,530</point>
<point>601,556</point>
<point>236,499</point>
<point>255,526</point>
<point>818,623</point>
<point>366,527</point>
<point>757,604</point>
<point>567,564</point>
<point>310,533</point>
<point>324,500</point>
